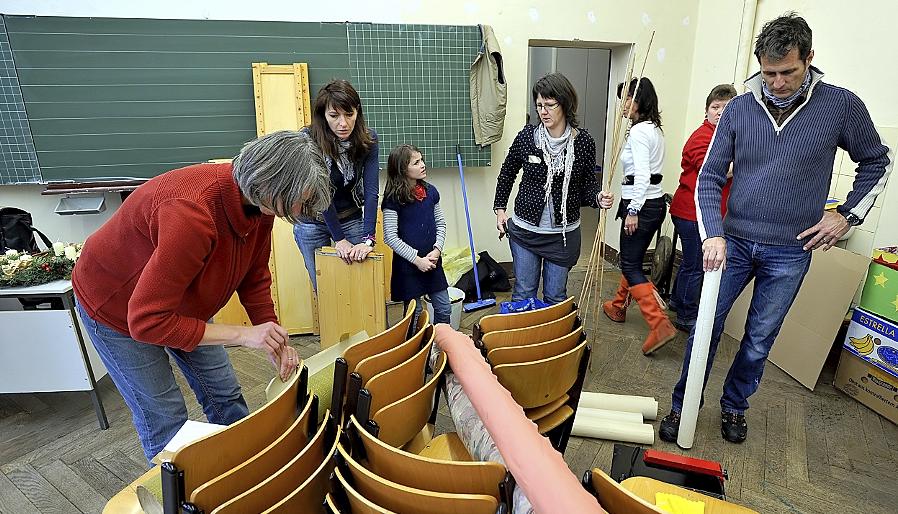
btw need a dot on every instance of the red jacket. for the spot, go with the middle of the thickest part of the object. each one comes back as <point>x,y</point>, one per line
<point>683,204</point>
<point>172,256</point>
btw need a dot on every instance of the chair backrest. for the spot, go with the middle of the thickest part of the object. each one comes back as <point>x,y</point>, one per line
<point>358,504</point>
<point>531,335</point>
<point>401,420</point>
<point>536,383</point>
<point>525,319</point>
<point>250,473</point>
<point>389,338</point>
<point>614,498</point>
<point>429,474</point>
<point>309,495</point>
<point>535,352</point>
<point>399,498</point>
<point>217,453</point>
<point>282,482</point>
<point>400,381</point>
<point>394,356</point>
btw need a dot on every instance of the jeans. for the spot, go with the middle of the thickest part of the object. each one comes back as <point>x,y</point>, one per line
<point>688,285</point>
<point>143,375</point>
<point>778,272</point>
<point>634,246</point>
<point>527,268</point>
<point>442,309</point>
<point>313,235</point>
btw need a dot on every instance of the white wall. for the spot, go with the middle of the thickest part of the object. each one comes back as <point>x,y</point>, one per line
<point>515,23</point>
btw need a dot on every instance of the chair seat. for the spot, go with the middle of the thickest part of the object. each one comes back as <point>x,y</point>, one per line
<point>646,488</point>
<point>125,501</point>
<point>447,447</point>
<point>554,419</point>
<point>541,412</point>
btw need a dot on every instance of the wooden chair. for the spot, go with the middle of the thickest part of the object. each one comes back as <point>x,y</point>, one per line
<point>542,383</point>
<point>531,335</point>
<point>281,481</point>
<point>350,500</point>
<point>403,499</point>
<point>537,351</point>
<point>215,454</point>
<point>395,383</point>
<point>389,338</point>
<point>252,472</point>
<point>636,495</point>
<point>490,478</point>
<point>309,495</point>
<point>522,319</point>
<point>403,420</point>
<point>385,360</point>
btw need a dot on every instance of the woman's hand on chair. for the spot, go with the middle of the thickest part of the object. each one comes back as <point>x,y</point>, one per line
<point>343,248</point>
<point>288,362</point>
<point>501,222</point>
<point>268,337</point>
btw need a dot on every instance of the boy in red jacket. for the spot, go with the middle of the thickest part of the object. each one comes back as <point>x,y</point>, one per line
<point>688,285</point>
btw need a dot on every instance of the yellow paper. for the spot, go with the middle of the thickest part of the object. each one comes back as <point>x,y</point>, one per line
<point>673,504</point>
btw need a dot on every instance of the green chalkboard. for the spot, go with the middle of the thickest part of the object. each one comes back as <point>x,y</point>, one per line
<point>135,97</point>
<point>18,161</point>
<point>122,98</point>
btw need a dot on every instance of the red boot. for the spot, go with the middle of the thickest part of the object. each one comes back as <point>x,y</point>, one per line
<point>616,309</point>
<point>661,331</point>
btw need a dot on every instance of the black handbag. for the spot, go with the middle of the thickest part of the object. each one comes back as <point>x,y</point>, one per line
<point>17,231</point>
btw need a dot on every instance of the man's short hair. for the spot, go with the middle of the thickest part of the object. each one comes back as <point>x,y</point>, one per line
<point>722,92</point>
<point>779,36</point>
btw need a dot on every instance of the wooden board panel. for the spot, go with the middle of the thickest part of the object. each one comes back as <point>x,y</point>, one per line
<point>350,297</point>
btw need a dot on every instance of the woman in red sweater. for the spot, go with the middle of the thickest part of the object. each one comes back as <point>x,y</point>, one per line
<point>688,285</point>
<point>172,256</point>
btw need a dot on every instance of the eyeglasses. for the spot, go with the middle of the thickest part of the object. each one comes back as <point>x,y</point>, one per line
<point>547,107</point>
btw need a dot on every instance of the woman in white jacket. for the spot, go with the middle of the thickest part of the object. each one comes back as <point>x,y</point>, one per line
<point>641,210</point>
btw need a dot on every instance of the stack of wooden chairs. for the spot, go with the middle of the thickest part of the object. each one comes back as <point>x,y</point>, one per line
<point>541,357</point>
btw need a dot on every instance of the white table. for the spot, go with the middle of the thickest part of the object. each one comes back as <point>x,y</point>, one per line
<point>44,350</point>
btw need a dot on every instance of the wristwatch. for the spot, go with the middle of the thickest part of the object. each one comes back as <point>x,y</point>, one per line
<point>632,212</point>
<point>851,218</point>
<point>369,242</point>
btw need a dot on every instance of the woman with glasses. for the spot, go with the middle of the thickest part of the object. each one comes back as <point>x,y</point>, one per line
<point>171,257</point>
<point>350,151</point>
<point>641,210</point>
<point>557,158</point>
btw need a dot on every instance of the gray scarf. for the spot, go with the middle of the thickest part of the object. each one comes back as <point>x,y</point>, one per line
<point>558,152</point>
<point>344,162</point>
<point>785,103</point>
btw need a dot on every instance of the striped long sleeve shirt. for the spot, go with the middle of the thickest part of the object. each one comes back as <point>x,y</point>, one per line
<point>782,173</point>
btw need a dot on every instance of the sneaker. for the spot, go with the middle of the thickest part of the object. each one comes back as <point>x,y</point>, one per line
<point>733,427</point>
<point>684,326</point>
<point>670,427</point>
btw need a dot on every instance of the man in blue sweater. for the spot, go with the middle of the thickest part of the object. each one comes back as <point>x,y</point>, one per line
<point>781,136</point>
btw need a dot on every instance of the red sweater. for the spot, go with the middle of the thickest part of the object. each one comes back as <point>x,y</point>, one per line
<point>683,204</point>
<point>172,256</point>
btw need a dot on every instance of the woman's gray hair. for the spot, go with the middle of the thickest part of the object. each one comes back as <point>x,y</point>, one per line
<point>283,169</point>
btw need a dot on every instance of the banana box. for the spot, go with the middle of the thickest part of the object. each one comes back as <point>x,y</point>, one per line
<point>868,367</point>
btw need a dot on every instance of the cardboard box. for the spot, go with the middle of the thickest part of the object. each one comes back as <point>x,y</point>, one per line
<point>810,328</point>
<point>880,295</point>
<point>868,384</point>
<point>874,340</point>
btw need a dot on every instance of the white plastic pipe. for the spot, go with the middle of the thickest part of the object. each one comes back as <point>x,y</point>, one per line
<point>698,359</point>
<point>644,405</point>
<point>638,433</point>
<point>610,415</point>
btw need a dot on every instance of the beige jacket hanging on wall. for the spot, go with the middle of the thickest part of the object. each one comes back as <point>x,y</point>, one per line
<point>488,95</point>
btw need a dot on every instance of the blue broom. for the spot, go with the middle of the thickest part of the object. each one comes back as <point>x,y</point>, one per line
<point>480,303</point>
